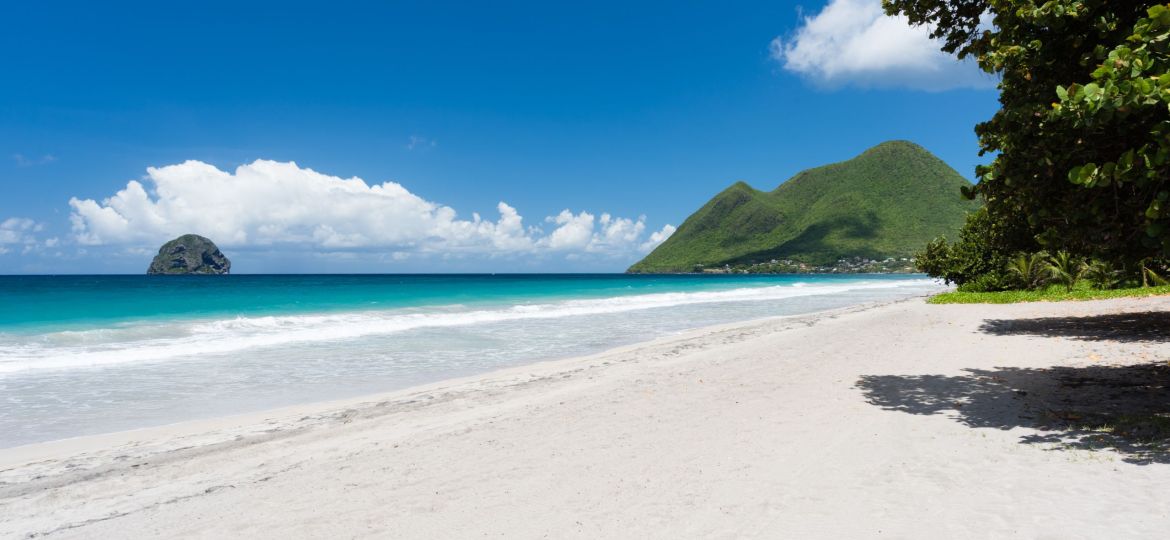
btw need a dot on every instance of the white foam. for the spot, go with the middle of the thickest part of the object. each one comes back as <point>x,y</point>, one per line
<point>156,342</point>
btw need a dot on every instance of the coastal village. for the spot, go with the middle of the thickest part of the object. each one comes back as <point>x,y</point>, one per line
<point>848,265</point>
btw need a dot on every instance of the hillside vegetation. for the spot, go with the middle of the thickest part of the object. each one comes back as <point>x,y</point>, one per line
<point>888,202</point>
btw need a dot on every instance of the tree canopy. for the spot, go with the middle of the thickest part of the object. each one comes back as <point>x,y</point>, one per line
<point>1082,138</point>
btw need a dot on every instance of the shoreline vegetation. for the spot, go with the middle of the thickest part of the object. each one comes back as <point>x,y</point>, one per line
<point>1078,187</point>
<point>772,427</point>
<point>1052,293</point>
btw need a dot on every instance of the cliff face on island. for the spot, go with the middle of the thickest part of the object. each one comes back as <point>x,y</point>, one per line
<point>189,254</point>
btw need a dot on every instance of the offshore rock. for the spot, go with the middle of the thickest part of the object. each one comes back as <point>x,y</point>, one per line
<point>189,254</point>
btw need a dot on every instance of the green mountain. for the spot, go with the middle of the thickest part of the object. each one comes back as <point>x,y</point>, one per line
<point>888,202</point>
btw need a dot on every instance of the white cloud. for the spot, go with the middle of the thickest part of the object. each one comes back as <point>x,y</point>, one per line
<point>657,237</point>
<point>418,142</point>
<point>572,232</point>
<point>20,232</point>
<point>605,235</point>
<point>24,161</point>
<point>268,203</point>
<point>853,42</point>
<point>16,230</point>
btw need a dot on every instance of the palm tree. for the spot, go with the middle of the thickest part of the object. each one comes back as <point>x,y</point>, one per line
<point>1065,268</point>
<point>1028,270</point>
<point>1150,278</point>
<point>1101,274</point>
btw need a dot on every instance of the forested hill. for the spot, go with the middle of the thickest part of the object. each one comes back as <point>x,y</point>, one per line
<point>887,202</point>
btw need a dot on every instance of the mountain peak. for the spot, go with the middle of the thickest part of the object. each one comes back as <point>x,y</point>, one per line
<point>886,202</point>
<point>898,147</point>
<point>897,144</point>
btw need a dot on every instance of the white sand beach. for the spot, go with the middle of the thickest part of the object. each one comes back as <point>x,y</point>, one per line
<point>904,420</point>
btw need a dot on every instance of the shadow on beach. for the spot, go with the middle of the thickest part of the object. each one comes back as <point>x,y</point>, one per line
<point>1149,326</point>
<point>1126,408</point>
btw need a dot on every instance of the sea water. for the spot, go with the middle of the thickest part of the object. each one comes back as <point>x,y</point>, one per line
<point>92,354</point>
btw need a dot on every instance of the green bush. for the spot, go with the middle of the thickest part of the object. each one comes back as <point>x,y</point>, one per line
<point>1065,269</point>
<point>973,262</point>
<point>986,283</point>
<point>1102,275</point>
<point>977,264</point>
<point>1028,271</point>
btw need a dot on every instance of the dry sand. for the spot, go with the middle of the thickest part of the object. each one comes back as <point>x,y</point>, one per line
<point>899,421</point>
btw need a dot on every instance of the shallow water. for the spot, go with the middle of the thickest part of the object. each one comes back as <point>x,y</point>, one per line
<point>92,354</point>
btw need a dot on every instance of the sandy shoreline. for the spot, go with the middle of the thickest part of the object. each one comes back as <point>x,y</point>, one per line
<point>902,420</point>
<point>208,431</point>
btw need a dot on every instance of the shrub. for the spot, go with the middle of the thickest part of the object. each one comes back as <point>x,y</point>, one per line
<point>1065,269</point>
<point>1101,274</point>
<point>1150,277</point>
<point>972,261</point>
<point>1028,271</point>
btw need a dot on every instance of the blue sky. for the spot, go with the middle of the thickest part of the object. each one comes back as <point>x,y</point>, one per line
<point>629,114</point>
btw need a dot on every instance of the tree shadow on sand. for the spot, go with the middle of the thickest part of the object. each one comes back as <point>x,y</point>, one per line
<point>1126,408</point>
<point>1150,326</point>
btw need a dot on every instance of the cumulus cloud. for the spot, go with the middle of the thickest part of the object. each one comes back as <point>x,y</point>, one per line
<point>853,42</point>
<point>268,203</point>
<point>657,237</point>
<point>21,233</point>
<point>606,234</point>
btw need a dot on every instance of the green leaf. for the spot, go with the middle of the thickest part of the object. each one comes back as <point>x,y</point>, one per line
<point>1092,91</point>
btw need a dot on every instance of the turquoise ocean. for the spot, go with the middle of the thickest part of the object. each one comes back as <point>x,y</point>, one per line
<point>93,354</point>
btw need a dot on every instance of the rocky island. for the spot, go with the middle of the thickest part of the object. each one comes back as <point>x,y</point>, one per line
<point>189,254</point>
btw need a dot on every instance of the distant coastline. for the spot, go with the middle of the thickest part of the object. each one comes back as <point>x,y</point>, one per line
<point>850,265</point>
